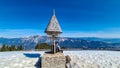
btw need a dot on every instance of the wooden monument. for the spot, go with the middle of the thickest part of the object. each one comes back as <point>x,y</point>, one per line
<point>53,59</point>
<point>54,30</point>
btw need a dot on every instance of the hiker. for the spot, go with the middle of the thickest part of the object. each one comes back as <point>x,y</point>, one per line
<point>58,49</point>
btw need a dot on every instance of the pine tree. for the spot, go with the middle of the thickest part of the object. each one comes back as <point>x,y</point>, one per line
<point>42,46</point>
<point>12,48</point>
<point>4,48</point>
<point>20,47</point>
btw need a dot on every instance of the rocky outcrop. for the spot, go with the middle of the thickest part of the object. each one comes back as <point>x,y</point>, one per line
<point>68,64</point>
<point>56,60</point>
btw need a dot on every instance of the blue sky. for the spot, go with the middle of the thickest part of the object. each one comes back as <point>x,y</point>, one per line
<point>78,18</point>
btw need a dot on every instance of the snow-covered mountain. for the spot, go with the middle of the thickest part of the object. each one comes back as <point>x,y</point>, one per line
<point>27,42</point>
<point>84,43</point>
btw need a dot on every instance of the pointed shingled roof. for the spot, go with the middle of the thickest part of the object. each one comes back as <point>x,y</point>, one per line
<point>53,26</point>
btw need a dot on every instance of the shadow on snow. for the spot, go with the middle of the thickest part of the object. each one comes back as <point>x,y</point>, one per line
<point>36,55</point>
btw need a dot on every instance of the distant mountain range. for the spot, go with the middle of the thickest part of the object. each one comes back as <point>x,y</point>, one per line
<point>82,43</point>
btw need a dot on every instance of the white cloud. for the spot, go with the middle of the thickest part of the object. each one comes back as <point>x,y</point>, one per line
<point>92,34</point>
<point>19,32</point>
<point>107,33</point>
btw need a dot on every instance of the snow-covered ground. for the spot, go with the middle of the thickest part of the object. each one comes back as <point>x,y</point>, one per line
<point>80,59</point>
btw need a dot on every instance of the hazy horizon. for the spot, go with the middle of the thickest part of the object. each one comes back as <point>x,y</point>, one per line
<point>64,37</point>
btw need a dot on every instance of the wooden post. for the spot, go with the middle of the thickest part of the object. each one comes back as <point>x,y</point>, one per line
<point>53,45</point>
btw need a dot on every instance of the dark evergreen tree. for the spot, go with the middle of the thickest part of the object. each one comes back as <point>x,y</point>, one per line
<point>4,48</point>
<point>20,47</point>
<point>63,47</point>
<point>42,46</point>
<point>12,48</point>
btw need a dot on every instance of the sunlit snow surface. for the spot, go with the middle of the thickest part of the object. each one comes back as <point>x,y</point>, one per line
<point>80,59</point>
